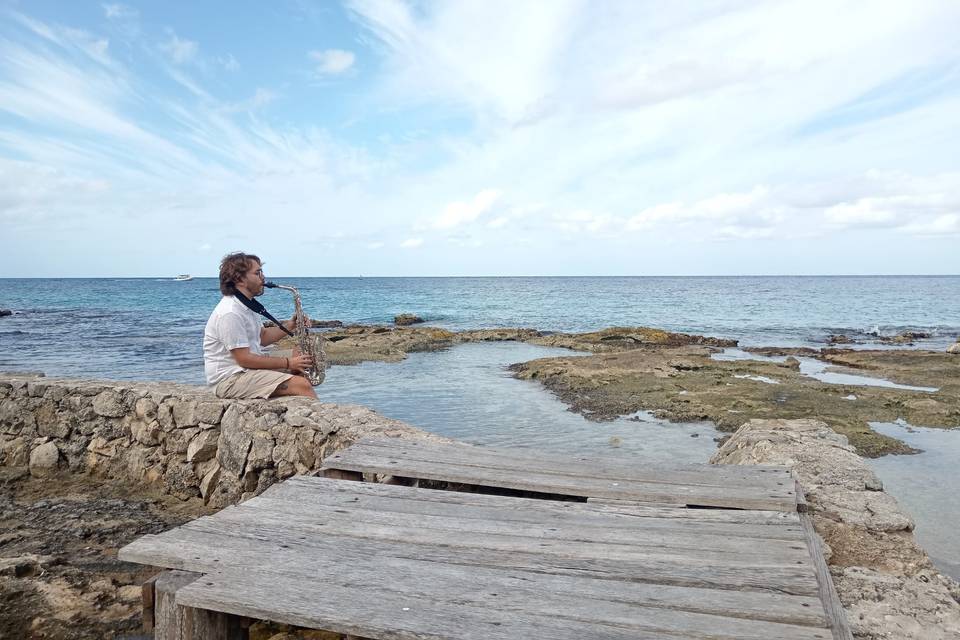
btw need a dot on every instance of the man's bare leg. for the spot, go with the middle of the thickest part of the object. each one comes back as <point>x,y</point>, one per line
<point>295,386</point>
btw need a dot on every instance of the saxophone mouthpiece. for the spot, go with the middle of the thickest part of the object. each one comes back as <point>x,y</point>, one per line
<point>270,285</point>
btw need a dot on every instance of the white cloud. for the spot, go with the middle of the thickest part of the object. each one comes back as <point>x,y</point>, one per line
<point>866,212</point>
<point>180,50</point>
<point>116,11</point>
<point>459,213</point>
<point>944,225</point>
<point>751,208</point>
<point>331,62</point>
<point>584,221</point>
<point>229,62</point>
<point>411,243</point>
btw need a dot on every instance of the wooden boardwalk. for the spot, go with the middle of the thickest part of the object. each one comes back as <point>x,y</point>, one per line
<point>390,561</point>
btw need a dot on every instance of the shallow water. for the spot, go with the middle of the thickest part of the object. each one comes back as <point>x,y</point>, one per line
<point>925,485</point>
<point>466,393</point>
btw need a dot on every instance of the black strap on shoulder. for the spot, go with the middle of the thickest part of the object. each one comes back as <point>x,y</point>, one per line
<point>255,306</point>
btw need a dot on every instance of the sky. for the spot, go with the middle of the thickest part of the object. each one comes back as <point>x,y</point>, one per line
<point>480,137</point>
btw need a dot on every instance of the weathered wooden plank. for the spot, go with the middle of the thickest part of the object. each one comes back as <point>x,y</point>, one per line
<point>440,581</point>
<point>754,552</point>
<point>782,498</point>
<point>512,459</point>
<point>516,507</point>
<point>484,461</point>
<point>517,516</point>
<point>787,579</point>
<point>440,527</point>
<point>371,612</point>
<point>836,616</point>
<point>174,621</point>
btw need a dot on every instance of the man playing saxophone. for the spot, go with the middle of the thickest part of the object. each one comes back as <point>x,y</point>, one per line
<point>235,363</point>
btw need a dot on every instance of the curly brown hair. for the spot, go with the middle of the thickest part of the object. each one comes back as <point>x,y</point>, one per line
<point>232,269</point>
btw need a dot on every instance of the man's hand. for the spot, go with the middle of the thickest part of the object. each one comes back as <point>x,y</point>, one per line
<point>291,324</point>
<point>299,362</point>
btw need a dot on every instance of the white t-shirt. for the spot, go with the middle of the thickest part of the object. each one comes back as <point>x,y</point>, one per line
<point>231,326</point>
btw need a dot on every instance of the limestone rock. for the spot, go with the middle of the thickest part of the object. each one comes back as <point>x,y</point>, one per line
<point>36,389</point>
<point>405,319</point>
<point>146,409</point>
<point>954,348</point>
<point>232,449</point>
<point>301,416</point>
<point>139,459</point>
<point>185,414</point>
<point>181,481</point>
<point>203,446</point>
<point>209,482</point>
<point>45,460</point>
<point>873,510</point>
<point>146,433</point>
<point>209,412</point>
<point>53,423</point>
<point>881,606</point>
<point>261,451</point>
<point>15,452</point>
<point>165,415</point>
<point>13,416</point>
<point>178,440</point>
<point>109,404</point>
<point>108,448</point>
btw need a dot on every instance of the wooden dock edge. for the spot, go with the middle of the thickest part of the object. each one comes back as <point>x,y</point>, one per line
<point>836,616</point>
<point>171,621</point>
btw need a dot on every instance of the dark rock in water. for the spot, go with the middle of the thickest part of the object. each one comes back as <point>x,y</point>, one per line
<point>839,339</point>
<point>5,312</point>
<point>314,324</point>
<point>326,324</point>
<point>405,319</point>
<point>905,337</point>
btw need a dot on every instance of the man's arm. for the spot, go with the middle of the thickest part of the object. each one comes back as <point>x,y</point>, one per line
<point>247,360</point>
<point>269,335</point>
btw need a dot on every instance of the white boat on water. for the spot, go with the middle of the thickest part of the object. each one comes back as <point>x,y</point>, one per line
<point>183,277</point>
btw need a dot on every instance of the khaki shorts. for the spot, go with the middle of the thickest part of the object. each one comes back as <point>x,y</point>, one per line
<point>252,383</point>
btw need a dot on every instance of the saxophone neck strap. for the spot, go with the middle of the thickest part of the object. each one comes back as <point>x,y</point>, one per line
<point>255,306</point>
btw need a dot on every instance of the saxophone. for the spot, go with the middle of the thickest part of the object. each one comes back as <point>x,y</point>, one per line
<point>311,345</point>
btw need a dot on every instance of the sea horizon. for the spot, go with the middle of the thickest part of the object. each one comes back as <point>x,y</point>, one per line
<point>705,276</point>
